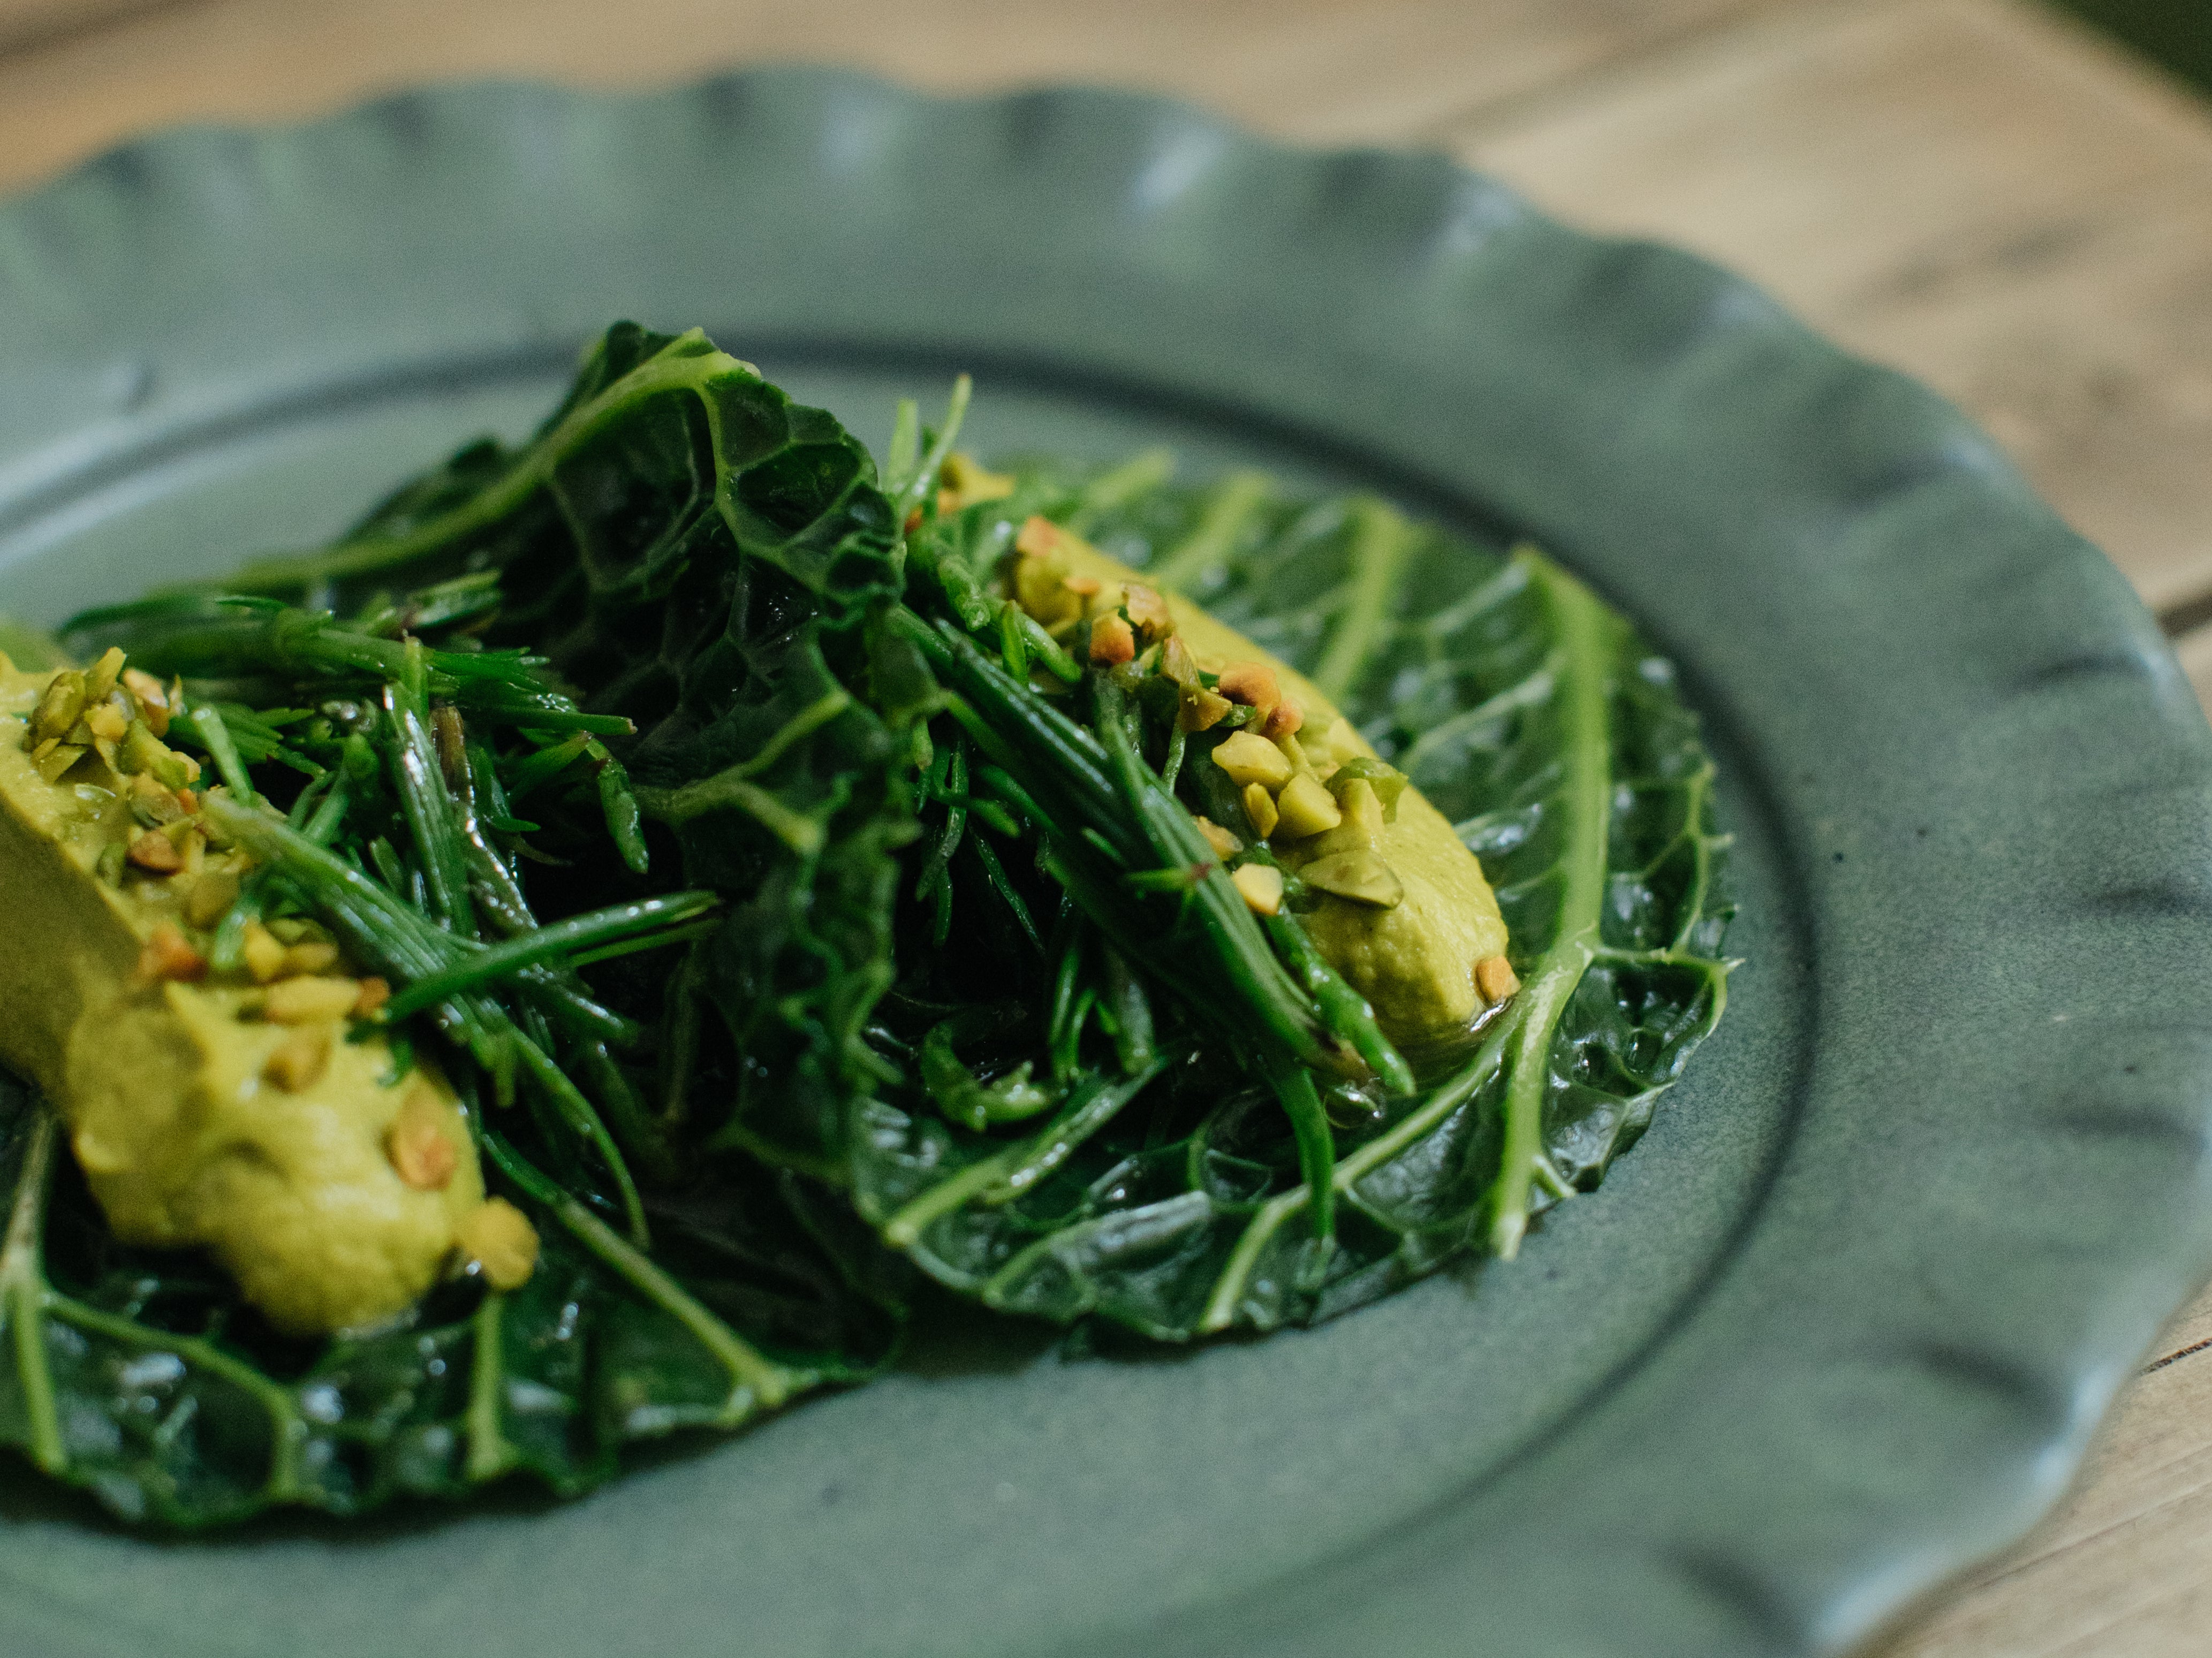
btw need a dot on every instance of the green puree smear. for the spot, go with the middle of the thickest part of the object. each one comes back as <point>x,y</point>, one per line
<point>564,963</point>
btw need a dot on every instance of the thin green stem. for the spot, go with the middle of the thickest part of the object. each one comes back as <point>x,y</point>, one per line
<point>24,1296</point>
<point>490,1454</point>
<point>1380,541</point>
<point>1233,504</point>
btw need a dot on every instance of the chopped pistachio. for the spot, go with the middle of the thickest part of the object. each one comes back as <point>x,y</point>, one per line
<point>962,482</point>
<point>420,1149</point>
<point>1306,808</point>
<point>1084,586</point>
<point>1495,978</point>
<point>167,956</point>
<point>1260,807</point>
<point>1262,885</point>
<point>106,722</point>
<point>1252,683</point>
<point>499,1240</point>
<point>1386,781</point>
<point>1038,537</point>
<point>58,759</point>
<point>1224,844</point>
<point>263,954</point>
<point>1202,709</point>
<point>375,994</point>
<point>156,853</point>
<point>154,704</point>
<point>1359,875</point>
<point>109,867</point>
<point>60,707</point>
<point>1041,589</point>
<point>306,1001</point>
<point>1178,663</point>
<point>1112,641</point>
<point>1148,612</point>
<point>1283,718</point>
<point>211,897</point>
<point>101,678</point>
<point>305,960</point>
<point>1248,758</point>
<point>151,804</point>
<point>300,1059</point>
<point>1362,814</point>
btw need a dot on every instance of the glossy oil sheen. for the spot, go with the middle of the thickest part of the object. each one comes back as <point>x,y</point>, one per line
<point>1838,1326</point>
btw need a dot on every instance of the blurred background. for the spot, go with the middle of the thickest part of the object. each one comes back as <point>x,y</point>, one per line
<point>2011,199</point>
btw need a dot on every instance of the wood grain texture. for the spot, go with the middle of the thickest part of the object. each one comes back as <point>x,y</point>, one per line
<point>1321,70</point>
<point>1964,188</point>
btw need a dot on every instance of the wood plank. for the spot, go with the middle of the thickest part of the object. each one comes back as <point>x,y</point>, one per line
<point>2119,1570</point>
<point>1963,188</point>
<point>1378,71</point>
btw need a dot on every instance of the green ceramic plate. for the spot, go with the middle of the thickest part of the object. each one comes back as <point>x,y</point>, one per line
<point>1841,1323</point>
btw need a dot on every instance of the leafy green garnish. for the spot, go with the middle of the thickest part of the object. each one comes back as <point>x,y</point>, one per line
<point>792,908</point>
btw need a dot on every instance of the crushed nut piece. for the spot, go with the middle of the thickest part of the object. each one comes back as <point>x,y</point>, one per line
<point>1252,683</point>
<point>1082,586</point>
<point>212,894</point>
<point>265,955</point>
<point>1495,978</point>
<point>304,960</point>
<point>157,853</point>
<point>300,1059</point>
<point>1262,885</point>
<point>375,994</point>
<point>1359,875</point>
<point>1307,808</point>
<point>1250,758</point>
<point>1285,718</point>
<point>1223,843</point>
<point>58,759</point>
<point>154,706</point>
<point>107,723</point>
<point>1202,709</point>
<point>501,1243</point>
<point>101,678</point>
<point>1260,807</point>
<point>1148,612</point>
<point>60,707</point>
<point>304,1001</point>
<point>1039,537</point>
<point>167,956</point>
<point>420,1150</point>
<point>1112,641</point>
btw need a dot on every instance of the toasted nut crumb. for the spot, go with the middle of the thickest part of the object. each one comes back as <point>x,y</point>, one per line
<point>154,705</point>
<point>99,680</point>
<point>156,852</point>
<point>1082,586</point>
<point>375,994</point>
<point>58,759</point>
<point>1039,537</point>
<point>1148,611</point>
<point>1249,757</point>
<point>305,960</point>
<point>1260,807</point>
<point>1201,710</point>
<point>167,956</point>
<point>1262,887</point>
<point>1285,718</point>
<point>420,1149</point>
<point>306,1001</point>
<point>213,893</point>
<point>189,801</point>
<point>1112,641</point>
<point>300,1059</point>
<point>1307,808</point>
<point>500,1242</point>
<point>107,724</point>
<point>1223,843</point>
<point>60,707</point>
<point>1252,683</point>
<point>264,957</point>
<point>1495,978</point>
<point>1359,875</point>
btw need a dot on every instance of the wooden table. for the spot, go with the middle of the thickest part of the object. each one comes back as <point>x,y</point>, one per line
<point>1968,189</point>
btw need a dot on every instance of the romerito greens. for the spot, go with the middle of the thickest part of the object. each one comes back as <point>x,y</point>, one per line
<point>795,907</point>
